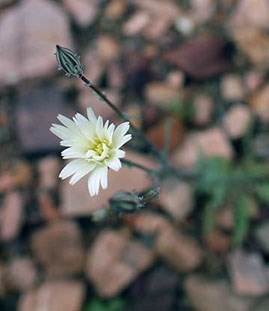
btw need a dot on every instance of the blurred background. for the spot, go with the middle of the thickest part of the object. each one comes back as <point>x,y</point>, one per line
<point>203,245</point>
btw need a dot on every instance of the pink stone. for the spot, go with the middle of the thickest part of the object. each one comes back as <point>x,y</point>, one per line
<point>11,216</point>
<point>28,37</point>
<point>54,296</point>
<point>114,261</point>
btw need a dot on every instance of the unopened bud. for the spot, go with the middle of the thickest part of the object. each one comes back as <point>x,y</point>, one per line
<point>69,62</point>
<point>126,202</point>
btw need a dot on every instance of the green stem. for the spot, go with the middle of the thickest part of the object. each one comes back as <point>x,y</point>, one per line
<point>139,166</point>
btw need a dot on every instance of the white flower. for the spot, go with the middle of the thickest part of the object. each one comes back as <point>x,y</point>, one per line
<point>93,146</point>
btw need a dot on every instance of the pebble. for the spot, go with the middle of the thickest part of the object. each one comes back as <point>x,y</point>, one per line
<point>211,143</point>
<point>114,261</point>
<point>213,295</point>
<point>11,216</point>
<point>254,44</point>
<point>48,170</point>
<point>259,102</point>
<point>161,93</point>
<point>83,11</point>
<point>203,109</point>
<point>237,120</point>
<point>21,274</point>
<point>54,296</point>
<point>232,87</point>
<point>178,250</point>
<point>28,39</point>
<point>248,274</point>
<point>177,199</point>
<point>251,14</point>
<point>58,247</point>
<point>36,109</point>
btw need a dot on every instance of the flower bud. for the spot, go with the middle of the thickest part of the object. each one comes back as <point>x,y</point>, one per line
<point>69,62</point>
<point>126,202</point>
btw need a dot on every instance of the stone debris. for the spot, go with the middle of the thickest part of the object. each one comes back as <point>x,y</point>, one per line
<point>237,120</point>
<point>21,274</point>
<point>114,261</point>
<point>11,216</point>
<point>182,252</point>
<point>48,169</point>
<point>58,247</point>
<point>203,109</point>
<point>213,295</point>
<point>83,11</point>
<point>31,55</point>
<point>232,87</point>
<point>248,274</point>
<point>260,103</point>
<point>211,143</point>
<point>177,199</point>
<point>54,296</point>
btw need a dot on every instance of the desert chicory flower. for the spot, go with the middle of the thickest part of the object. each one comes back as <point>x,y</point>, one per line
<point>93,146</point>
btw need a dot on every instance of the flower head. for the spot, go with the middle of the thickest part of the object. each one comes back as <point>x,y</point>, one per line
<point>93,146</point>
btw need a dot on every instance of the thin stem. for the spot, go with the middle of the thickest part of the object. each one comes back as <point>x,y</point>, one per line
<point>137,165</point>
<point>162,157</point>
<point>133,129</point>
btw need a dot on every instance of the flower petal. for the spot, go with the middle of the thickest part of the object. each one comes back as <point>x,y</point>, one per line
<point>91,115</point>
<point>114,164</point>
<point>84,169</point>
<point>118,136</point>
<point>70,168</point>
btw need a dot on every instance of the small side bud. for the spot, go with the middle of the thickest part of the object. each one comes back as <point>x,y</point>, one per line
<point>69,62</point>
<point>126,202</point>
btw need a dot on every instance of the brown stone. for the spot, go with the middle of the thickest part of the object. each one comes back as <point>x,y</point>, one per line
<point>251,13</point>
<point>48,169</point>
<point>21,274</point>
<point>47,206</point>
<point>161,93</point>
<point>32,55</point>
<point>58,248</point>
<point>180,251</point>
<point>37,108</point>
<point>148,223</point>
<point>156,134</point>
<point>237,120</point>
<point>177,199</point>
<point>203,109</point>
<point>254,44</point>
<point>232,87</point>
<point>11,216</point>
<point>248,274</point>
<point>115,9</point>
<point>213,295</point>
<point>253,80</point>
<point>202,10</point>
<point>76,199</point>
<point>114,261</point>
<point>136,23</point>
<point>260,103</point>
<point>211,143</point>
<point>203,58</point>
<point>83,11</point>
<point>54,296</point>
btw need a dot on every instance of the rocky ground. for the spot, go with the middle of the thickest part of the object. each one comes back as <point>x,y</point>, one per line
<point>201,63</point>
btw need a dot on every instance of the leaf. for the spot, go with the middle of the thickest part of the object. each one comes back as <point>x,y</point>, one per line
<point>208,218</point>
<point>242,209</point>
<point>262,191</point>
